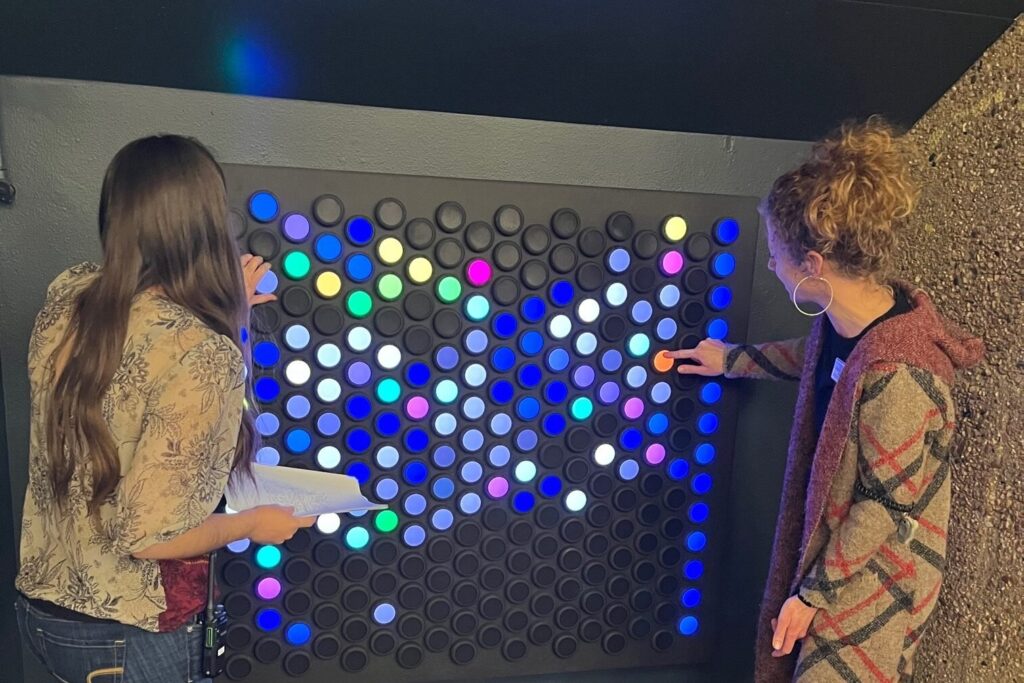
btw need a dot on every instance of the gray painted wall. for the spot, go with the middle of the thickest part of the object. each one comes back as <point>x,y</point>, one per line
<point>58,136</point>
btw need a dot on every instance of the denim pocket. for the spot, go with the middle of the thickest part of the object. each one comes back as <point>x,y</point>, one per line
<point>76,651</point>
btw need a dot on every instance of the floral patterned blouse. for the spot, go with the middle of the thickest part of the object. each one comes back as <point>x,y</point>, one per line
<point>174,408</point>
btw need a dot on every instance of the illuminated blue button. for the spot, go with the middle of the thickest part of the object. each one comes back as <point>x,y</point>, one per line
<point>668,296</point>
<point>657,424</point>
<point>628,470</point>
<point>415,504</point>
<point>661,392</point>
<point>446,358</point>
<point>641,312</point>
<point>526,440</point>
<point>267,389</point>
<point>583,376</point>
<point>477,308</point>
<point>443,488</point>
<point>533,309</point>
<point>586,343</point>
<point>688,626</point>
<point>707,423</point>
<point>359,230</point>
<point>678,469</point>
<point>690,599</point>
<point>475,375</point>
<point>387,457</point>
<point>717,328</point>
<point>297,407</point>
<point>719,298</point>
<point>473,407</point>
<point>723,265</point>
<point>416,440</point>
<point>693,570</point>
<point>554,424</point>
<point>701,483</point>
<point>444,456</point>
<point>528,408</point>
<point>529,376</point>
<point>557,360</point>
<point>268,455</point>
<point>523,502</point>
<point>531,343</point>
<point>359,374</point>
<point>267,285</point>
<point>501,424</point>
<point>328,424</point>
<point>471,472</point>
<point>266,354</point>
<point>359,267</point>
<point>327,248</point>
<point>504,325</point>
<point>503,359</point>
<point>415,473</point>
<point>618,260</point>
<point>499,456</point>
<point>297,634</point>
<point>696,541</point>
<point>711,393</point>
<point>555,392</point>
<point>550,486</point>
<point>358,470</point>
<point>502,391</point>
<point>267,424</point>
<point>442,519</point>
<point>667,329</point>
<point>384,613</point>
<point>386,488</point>
<point>727,231</point>
<point>414,535</point>
<point>469,503</point>
<point>298,441</point>
<point>611,360</point>
<point>296,337</point>
<point>417,374</point>
<point>445,424</point>
<point>475,341</point>
<point>263,207</point>
<point>472,440</point>
<point>358,407</point>
<point>698,513</point>
<point>636,377</point>
<point>244,331</point>
<point>268,619</point>
<point>562,293</point>
<point>631,439</point>
<point>704,454</point>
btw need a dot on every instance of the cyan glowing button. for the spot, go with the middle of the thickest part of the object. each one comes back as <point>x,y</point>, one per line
<point>386,488</point>
<point>615,295</point>
<point>444,456</point>
<point>639,345</point>
<point>446,391</point>
<point>358,339</point>
<point>525,471</point>
<point>693,570</point>
<point>268,557</point>
<point>263,206</point>
<point>575,500</point>
<point>328,356</point>
<point>641,312</point>
<point>414,535</point>
<point>384,613</point>
<point>696,541</point>
<point>666,329</point>
<point>443,488</point>
<point>469,503</point>
<point>611,360</point>
<point>533,309</point>
<point>586,344</point>
<point>475,341</point>
<point>723,265</point>
<point>296,337</point>
<point>477,308</point>
<point>357,538</point>
<point>531,343</point>
<point>297,406</point>
<point>636,377</point>
<point>445,424</point>
<point>473,408</point>
<point>707,423</point>
<point>618,260</point>
<point>727,231</point>
<point>550,486</point>
<point>268,283</point>
<point>701,483</point>
<point>268,619</point>
<point>474,375</point>
<point>359,230</point>
<point>295,227</point>
<point>327,248</point>
<point>688,626</point>
<point>717,329</point>
<point>628,470</point>
<point>499,456</point>
<point>359,267</point>
<point>296,265</point>
<point>267,424</point>
<point>527,408</point>
<point>442,519</point>
<point>704,454</point>
<point>720,297</point>
<point>588,310</point>
<point>581,408</point>
<point>267,389</point>
<point>446,358</point>
<point>668,296</point>
<point>560,326</point>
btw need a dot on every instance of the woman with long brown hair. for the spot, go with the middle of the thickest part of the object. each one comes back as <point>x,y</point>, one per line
<point>860,542</point>
<point>139,418</point>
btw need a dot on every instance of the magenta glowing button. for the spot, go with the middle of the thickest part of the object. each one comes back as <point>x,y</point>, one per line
<point>671,263</point>
<point>417,408</point>
<point>655,454</point>
<point>478,272</point>
<point>497,487</point>
<point>268,588</point>
<point>633,408</point>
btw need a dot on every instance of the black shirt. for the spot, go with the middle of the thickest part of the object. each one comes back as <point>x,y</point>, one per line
<point>837,348</point>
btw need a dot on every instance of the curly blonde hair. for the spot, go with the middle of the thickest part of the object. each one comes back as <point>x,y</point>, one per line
<point>842,202</point>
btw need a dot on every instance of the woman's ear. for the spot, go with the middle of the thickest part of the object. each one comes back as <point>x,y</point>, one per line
<point>813,264</point>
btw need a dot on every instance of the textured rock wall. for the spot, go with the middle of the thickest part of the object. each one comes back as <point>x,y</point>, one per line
<point>964,245</point>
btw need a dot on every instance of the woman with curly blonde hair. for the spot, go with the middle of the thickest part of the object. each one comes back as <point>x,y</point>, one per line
<point>860,543</point>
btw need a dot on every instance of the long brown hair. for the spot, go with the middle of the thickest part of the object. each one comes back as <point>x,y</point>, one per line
<point>163,224</point>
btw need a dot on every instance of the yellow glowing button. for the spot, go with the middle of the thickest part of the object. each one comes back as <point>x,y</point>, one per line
<point>327,284</point>
<point>389,250</point>
<point>674,228</point>
<point>420,270</point>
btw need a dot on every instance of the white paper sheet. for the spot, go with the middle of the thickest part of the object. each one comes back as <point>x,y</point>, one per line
<point>310,492</point>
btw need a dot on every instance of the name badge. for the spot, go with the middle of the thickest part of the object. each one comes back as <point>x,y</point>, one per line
<point>837,369</point>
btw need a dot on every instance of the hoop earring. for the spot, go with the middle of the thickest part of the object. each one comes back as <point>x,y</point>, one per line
<point>831,296</point>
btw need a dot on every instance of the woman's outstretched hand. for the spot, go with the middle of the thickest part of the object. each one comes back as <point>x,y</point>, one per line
<point>708,358</point>
<point>273,524</point>
<point>253,269</point>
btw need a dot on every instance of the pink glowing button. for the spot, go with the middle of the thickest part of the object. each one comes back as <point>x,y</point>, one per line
<point>497,487</point>
<point>655,454</point>
<point>417,408</point>
<point>478,272</point>
<point>633,408</point>
<point>268,588</point>
<point>671,262</point>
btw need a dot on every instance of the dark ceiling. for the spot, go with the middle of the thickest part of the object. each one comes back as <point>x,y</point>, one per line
<point>767,68</point>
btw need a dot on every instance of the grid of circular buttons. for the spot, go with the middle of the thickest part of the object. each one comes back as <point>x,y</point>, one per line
<point>498,381</point>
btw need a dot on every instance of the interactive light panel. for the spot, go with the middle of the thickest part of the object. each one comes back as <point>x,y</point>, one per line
<point>484,357</point>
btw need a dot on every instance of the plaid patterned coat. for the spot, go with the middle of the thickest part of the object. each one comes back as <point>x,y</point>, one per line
<point>861,531</point>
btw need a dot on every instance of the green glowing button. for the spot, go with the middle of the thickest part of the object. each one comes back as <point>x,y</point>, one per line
<point>388,390</point>
<point>449,289</point>
<point>359,304</point>
<point>389,287</point>
<point>296,265</point>
<point>386,521</point>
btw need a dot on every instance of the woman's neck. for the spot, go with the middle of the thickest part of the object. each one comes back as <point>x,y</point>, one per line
<point>857,303</point>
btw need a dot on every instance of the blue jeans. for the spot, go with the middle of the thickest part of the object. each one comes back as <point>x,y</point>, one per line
<point>80,652</point>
